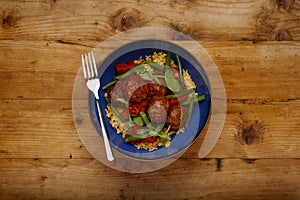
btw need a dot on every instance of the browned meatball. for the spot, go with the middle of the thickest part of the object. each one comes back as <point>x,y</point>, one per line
<point>158,109</point>
<point>176,117</point>
<point>133,89</point>
<point>155,89</point>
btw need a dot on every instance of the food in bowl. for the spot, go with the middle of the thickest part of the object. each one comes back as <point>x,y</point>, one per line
<point>150,99</point>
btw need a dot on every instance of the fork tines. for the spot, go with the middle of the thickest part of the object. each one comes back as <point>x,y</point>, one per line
<point>89,66</point>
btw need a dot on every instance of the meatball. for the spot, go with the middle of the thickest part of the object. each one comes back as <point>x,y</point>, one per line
<point>136,108</point>
<point>158,109</point>
<point>155,89</point>
<point>176,117</point>
<point>133,89</point>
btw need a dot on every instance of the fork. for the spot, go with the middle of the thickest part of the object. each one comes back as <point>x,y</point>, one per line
<point>93,83</point>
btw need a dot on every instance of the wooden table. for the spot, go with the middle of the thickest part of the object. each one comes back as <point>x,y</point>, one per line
<point>255,45</point>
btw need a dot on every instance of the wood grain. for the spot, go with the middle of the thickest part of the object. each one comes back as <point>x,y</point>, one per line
<point>45,129</point>
<point>97,20</point>
<point>264,70</point>
<point>199,179</point>
<point>255,45</point>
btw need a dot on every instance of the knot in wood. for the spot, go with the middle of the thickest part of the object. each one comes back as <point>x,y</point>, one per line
<point>9,18</point>
<point>282,36</point>
<point>125,19</point>
<point>266,20</point>
<point>285,4</point>
<point>250,132</point>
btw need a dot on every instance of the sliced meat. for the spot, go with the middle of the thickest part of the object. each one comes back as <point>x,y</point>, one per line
<point>109,91</point>
<point>158,109</point>
<point>114,92</point>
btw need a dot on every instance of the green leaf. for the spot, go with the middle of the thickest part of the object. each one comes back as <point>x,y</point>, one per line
<point>152,133</point>
<point>155,66</point>
<point>146,76</point>
<point>139,121</point>
<point>123,101</point>
<point>169,73</point>
<point>142,131</point>
<point>171,82</point>
<point>173,85</point>
<point>181,94</point>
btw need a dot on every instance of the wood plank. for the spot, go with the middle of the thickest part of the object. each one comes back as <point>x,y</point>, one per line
<point>264,70</point>
<point>45,129</point>
<point>204,20</point>
<point>257,155</point>
<point>275,134</point>
<point>34,129</point>
<point>199,179</point>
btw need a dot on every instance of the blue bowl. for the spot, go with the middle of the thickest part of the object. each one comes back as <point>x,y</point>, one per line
<point>200,115</point>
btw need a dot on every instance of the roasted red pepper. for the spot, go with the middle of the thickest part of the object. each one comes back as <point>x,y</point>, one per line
<point>123,67</point>
<point>175,101</point>
<point>148,139</point>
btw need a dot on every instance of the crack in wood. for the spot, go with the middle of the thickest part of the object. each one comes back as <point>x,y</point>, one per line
<point>219,164</point>
<point>249,160</point>
<point>262,101</point>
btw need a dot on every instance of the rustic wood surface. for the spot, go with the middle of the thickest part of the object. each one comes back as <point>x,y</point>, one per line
<point>255,45</point>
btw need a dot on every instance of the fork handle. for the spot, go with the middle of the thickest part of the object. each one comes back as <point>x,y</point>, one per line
<point>108,150</point>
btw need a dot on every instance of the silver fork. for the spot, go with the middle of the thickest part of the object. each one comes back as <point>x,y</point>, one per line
<point>93,83</point>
